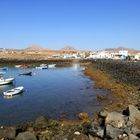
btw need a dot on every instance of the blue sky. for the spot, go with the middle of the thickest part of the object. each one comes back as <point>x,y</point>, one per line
<point>84,24</point>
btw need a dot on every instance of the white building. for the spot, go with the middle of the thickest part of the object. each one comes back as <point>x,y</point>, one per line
<point>123,53</point>
<point>137,56</point>
<point>100,55</point>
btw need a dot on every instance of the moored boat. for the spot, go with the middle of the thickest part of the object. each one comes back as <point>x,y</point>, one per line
<point>6,81</point>
<point>3,68</point>
<point>51,65</point>
<point>42,66</point>
<point>13,91</point>
<point>2,73</point>
<point>24,67</point>
<point>26,73</point>
<point>18,66</point>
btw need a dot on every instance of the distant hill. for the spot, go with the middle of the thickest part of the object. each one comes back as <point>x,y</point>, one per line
<point>36,47</point>
<point>69,48</point>
<point>121,48</point>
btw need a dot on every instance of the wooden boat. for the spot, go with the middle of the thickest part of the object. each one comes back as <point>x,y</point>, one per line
<point>3,68</point>
<point>26,73</point>
<point>51,65</point>
<point>6,81</point>
<point>13,91</point>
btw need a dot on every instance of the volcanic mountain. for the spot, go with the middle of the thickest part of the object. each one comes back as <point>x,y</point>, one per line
<point>120,48</point>
<point>69,48</point>
<point>36,47</point>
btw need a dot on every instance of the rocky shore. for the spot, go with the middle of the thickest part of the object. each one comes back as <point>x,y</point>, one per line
<point>123,125</point>
<point>119,119</point>
<point>121,78</point>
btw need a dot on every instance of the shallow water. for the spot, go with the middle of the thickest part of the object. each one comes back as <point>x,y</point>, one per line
<point>62,91</point>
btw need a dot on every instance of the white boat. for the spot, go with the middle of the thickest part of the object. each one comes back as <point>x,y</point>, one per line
<point>51,65</point>
<point>45,67</point>
<point>2,73</point>
<point>42,66</point>
<point>13,91</point>
<point>6,81</point>
<point>18,66</point>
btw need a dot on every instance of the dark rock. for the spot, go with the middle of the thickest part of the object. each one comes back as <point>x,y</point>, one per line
<point>26,136</point>
<point>132,137</point>
<point>41,123</point>
<point>8,132</point>
<point>112,132</point>
<point>126,112</point>
<point>96,130</point>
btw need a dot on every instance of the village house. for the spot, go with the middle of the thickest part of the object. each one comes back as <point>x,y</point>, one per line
<point>100,55</point>
<point>137,56</point>
<point>123,54</point>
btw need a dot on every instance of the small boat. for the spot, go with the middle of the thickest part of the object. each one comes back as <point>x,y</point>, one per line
<point>26,73</point>
<point>24,67</point>
<point>42,66</point>
<point>2,73</point>
<point>45,67</point>
<point>13,91</point>
<point>6,81</point>
<point>3,68</point>
<point>51,65</point>
<point>18,66</point>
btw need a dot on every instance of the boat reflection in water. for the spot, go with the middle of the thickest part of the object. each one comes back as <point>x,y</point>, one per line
<point>77,66</point>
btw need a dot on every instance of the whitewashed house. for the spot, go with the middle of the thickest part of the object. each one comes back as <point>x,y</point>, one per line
<point>100,55</point>
<point>137,56</point>
<point>123,54</point>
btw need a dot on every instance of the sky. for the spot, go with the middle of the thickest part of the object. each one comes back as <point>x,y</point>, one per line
<point>83,24</point>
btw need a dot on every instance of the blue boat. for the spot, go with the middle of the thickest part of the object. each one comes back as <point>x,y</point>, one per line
<point>3,68</point>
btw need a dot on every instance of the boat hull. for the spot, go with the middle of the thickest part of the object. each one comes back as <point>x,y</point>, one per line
<point>42,67</point>
<point>3,68</point>
<point>26,73</point>
<point>14,91</point>
<point>51,65</point>
<point>6,81</point>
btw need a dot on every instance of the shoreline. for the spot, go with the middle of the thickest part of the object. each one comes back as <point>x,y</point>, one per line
<point>49,61</point>
<point>123,94</point>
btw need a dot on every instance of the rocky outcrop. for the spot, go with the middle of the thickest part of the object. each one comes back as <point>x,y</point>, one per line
<point>107,126</point>
<point>115,119</point>
<point>117,126</point>
<point>26,136</point>
<point>7,132</point>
